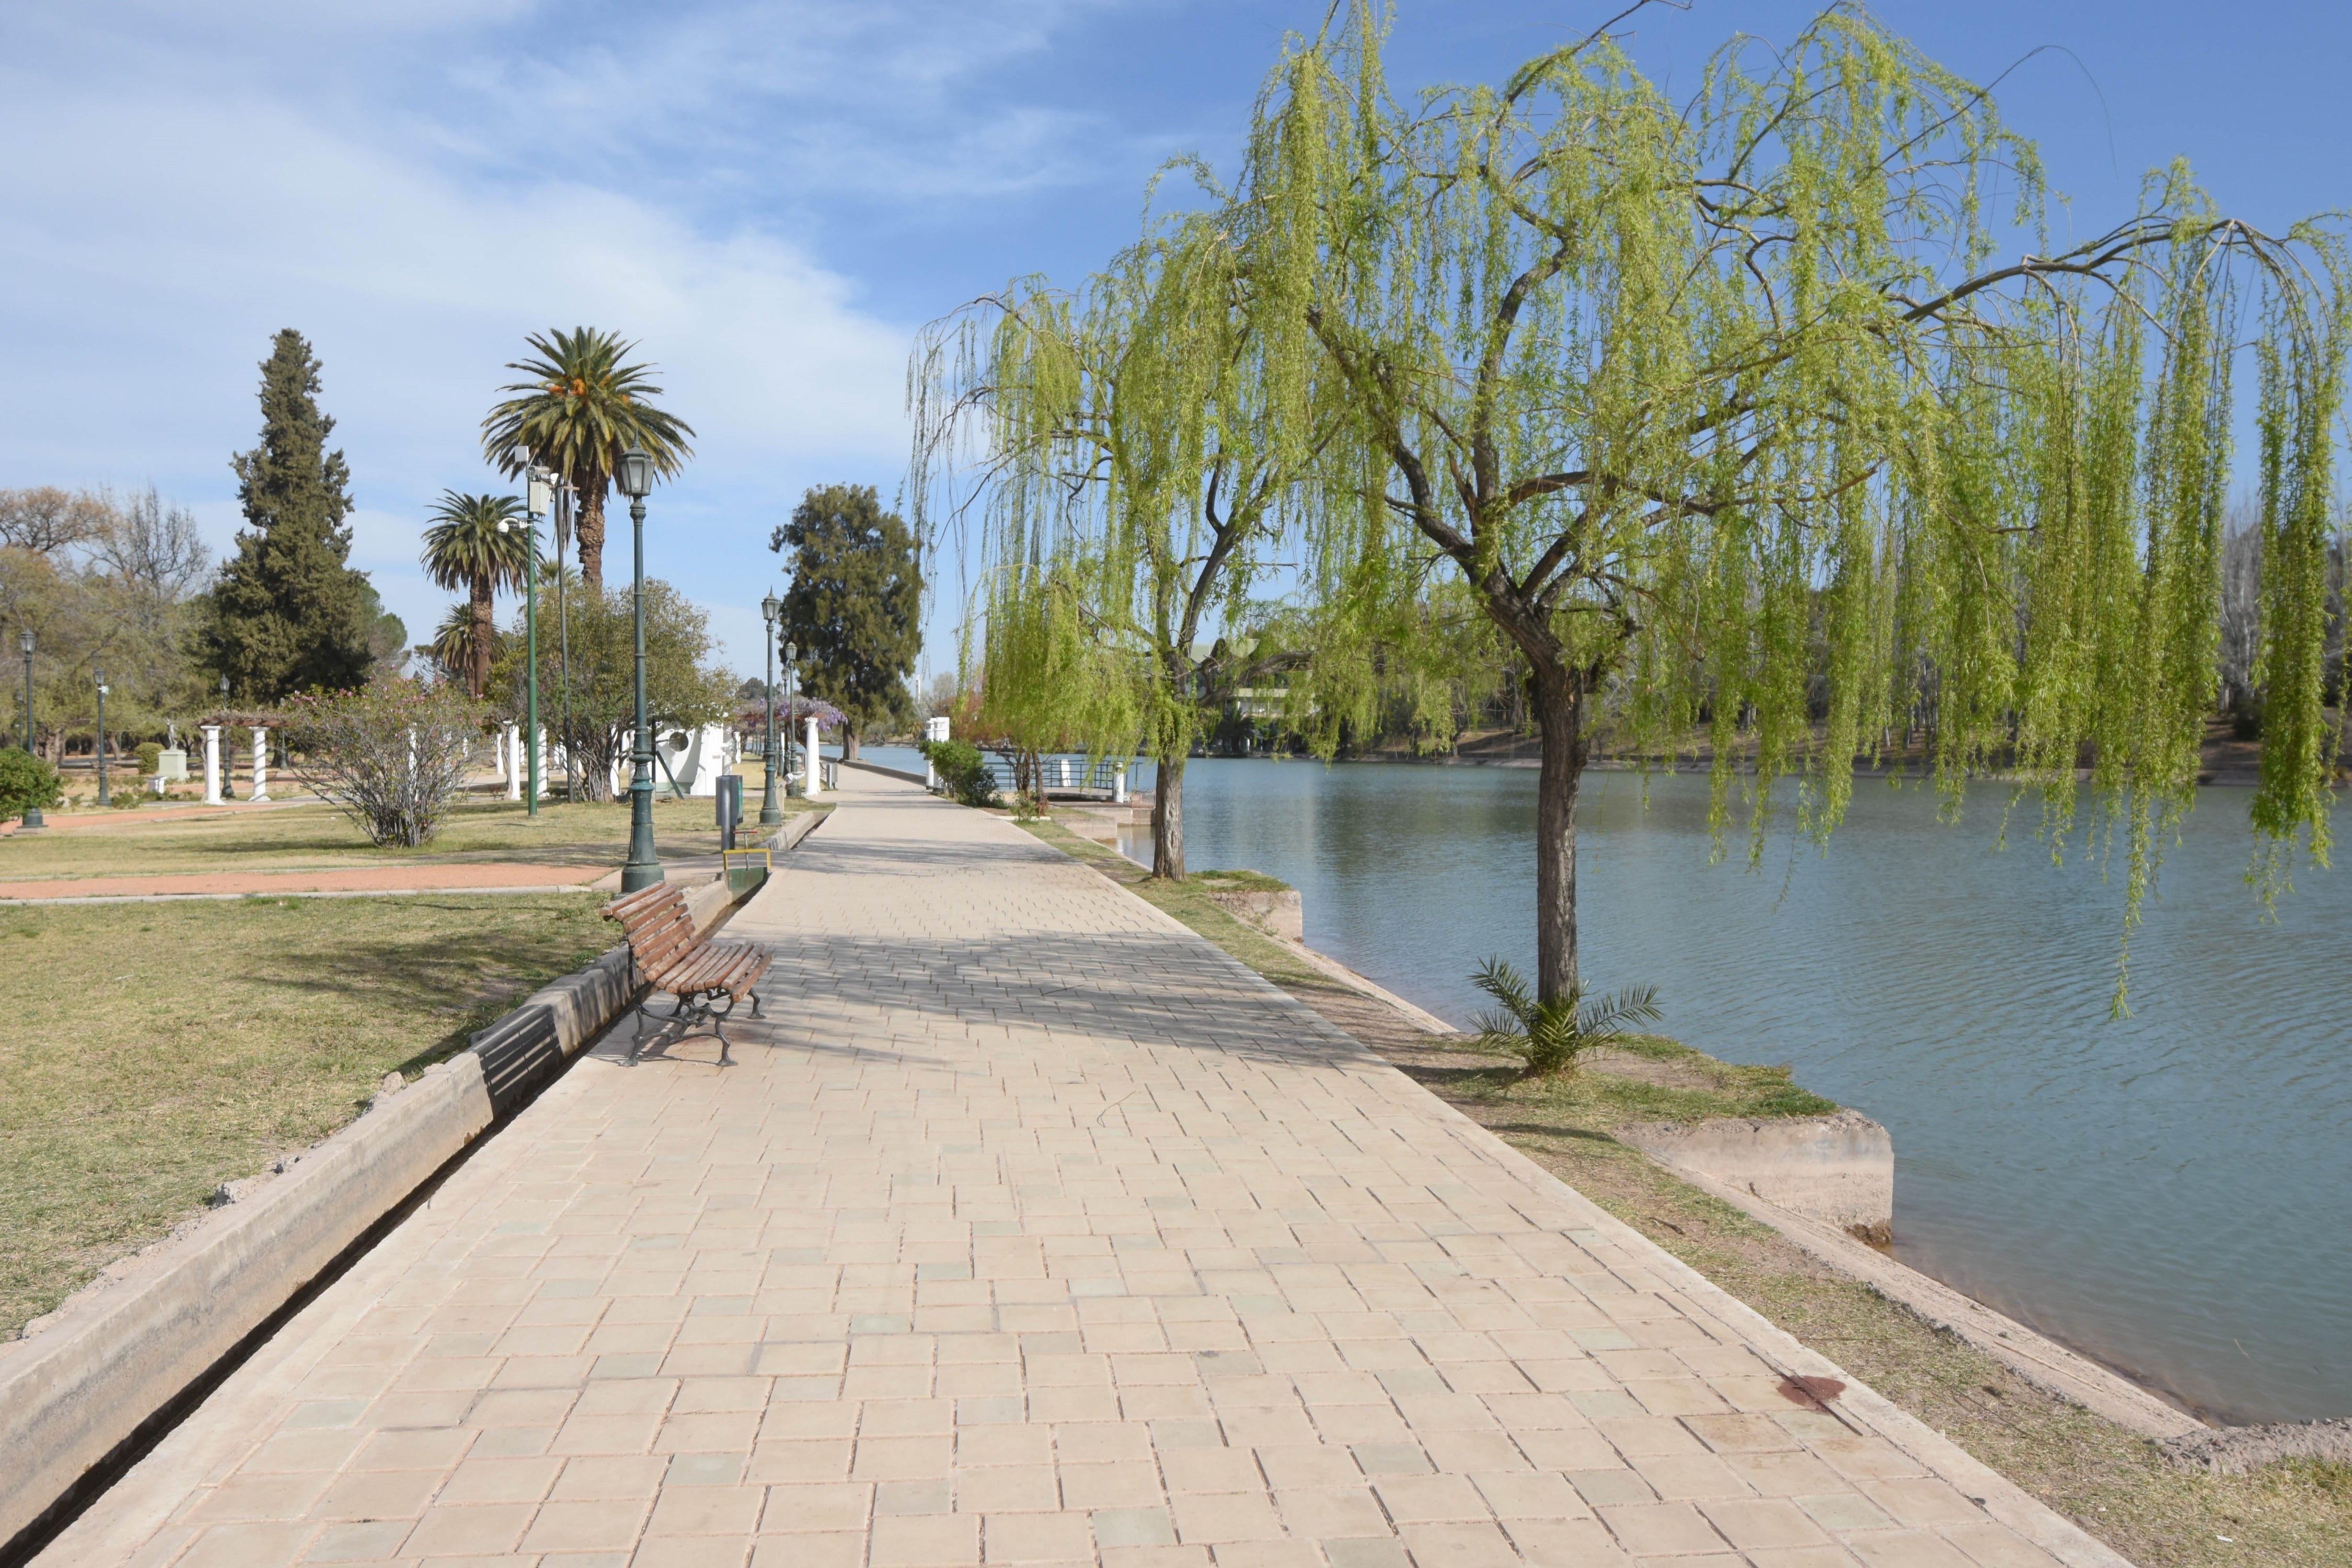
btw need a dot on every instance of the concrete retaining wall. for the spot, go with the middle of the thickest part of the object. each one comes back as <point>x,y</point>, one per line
<point>1839,1169</point>
<point>86,1375</point>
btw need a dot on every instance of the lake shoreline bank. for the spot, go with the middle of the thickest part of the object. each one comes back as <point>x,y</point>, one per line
<point>2115,1482</point>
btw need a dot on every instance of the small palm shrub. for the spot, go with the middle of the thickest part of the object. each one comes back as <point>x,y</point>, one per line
<point>1551,1035</point>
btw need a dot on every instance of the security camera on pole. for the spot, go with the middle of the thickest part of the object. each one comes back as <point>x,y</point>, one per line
<point>771,812</point>
<point>540,491</point>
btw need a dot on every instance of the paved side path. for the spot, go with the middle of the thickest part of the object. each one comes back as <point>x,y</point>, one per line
<point>1030,1230</point>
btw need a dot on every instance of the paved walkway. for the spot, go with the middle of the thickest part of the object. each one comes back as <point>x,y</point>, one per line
<point>1029,1230</point>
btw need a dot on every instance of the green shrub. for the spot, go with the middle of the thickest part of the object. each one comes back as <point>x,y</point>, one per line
<point>150,757</point>
<point>26,782</point>
<point>963,773</point>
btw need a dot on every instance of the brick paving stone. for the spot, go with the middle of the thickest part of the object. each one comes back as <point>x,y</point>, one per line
<point>1027,1230</point>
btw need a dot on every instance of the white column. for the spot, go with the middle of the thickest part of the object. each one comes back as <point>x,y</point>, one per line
<point>814,785</point>
<point>1119,784</point>
<point>510,758</point>
<point>260,763</point>
<point>211,763</point>
<point>499,755</point>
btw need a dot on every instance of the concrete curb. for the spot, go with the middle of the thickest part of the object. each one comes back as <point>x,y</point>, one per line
<point>2040,1361</point>
<point>85,1377</point>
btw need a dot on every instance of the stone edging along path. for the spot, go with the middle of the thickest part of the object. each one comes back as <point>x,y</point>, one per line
<point>86,1377</point>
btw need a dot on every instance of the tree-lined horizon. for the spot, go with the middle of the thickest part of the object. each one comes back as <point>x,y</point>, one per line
<point>1730,422</point>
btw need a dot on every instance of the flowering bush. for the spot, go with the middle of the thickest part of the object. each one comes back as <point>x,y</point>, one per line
<point>391,754</point>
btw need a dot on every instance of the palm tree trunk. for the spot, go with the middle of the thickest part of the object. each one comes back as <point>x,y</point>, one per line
<point>592,535</point>
<point>478,672</point>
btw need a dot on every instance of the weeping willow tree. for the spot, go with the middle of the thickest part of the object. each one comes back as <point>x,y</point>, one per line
<point>1131,475</point>
<point>1732,423</point>
<point>1048,681</point>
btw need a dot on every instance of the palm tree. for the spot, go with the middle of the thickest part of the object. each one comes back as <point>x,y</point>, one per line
<point>452,648</point>
<point>469,547</point>
<point>581,409</point>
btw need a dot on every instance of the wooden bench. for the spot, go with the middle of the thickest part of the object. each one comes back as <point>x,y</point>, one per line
<point>707,978</point>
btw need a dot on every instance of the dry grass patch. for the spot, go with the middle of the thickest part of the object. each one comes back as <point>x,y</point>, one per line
<point>153,1051</point>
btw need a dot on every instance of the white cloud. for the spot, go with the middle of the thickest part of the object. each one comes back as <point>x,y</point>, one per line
<point>159,240</point>
<point>415,186</point>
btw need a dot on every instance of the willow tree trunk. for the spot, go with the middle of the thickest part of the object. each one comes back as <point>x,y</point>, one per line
<point>1168,817</point>
<point>1560,725</point>
<point>849,741</point>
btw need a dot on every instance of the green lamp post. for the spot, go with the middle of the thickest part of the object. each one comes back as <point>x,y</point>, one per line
<point>635,475</point>
<point>33,821</point>
<point>99,677</point>
<point>771,812</point>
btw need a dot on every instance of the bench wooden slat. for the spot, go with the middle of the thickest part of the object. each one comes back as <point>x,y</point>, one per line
<point>676,958</point>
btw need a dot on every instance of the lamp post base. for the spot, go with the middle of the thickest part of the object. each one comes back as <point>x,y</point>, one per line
<point>33,822</point>
<point>643,868</point>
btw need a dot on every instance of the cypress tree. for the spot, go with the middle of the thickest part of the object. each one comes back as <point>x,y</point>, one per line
<point>287,612</point>
<point>854,606</point>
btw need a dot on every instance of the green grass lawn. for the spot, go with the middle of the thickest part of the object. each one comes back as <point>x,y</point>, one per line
<point>320,837</point>
<point>153,1051</point>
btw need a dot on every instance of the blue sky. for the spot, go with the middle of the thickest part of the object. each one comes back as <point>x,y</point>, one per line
<point>772,198</point>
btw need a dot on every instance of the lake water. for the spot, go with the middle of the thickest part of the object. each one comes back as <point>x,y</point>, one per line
<point>2168,1193</point>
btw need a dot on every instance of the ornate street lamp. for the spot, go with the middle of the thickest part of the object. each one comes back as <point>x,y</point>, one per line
<point>770,813</point>
<point>635,475</point>
<point>33,821</point>
<point>100,676</point>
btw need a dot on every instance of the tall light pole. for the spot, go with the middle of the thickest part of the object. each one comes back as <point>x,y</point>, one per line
<point>792,656</point>
<point>33,821</point>
<point>635,475</point>
<point>100,676</point>
<point>227,755</point>
<point>540,492</point>
<point>771,812</point>
<point>564,641</point>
